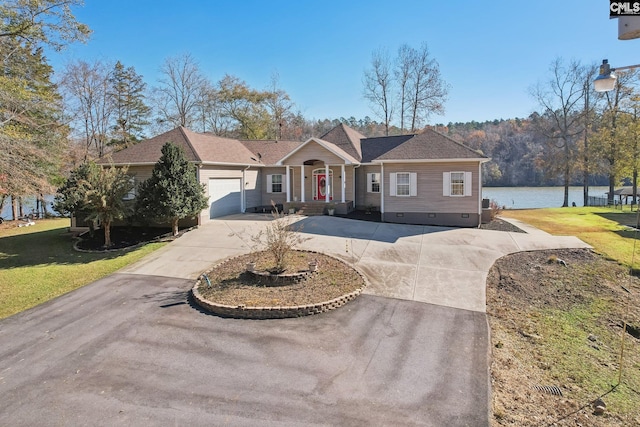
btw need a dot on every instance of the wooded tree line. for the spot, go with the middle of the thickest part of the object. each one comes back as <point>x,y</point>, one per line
<point>50,123</point>
<point>578,136</point>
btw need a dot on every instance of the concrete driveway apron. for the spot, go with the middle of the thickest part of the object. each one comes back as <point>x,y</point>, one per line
<point>436,265</point>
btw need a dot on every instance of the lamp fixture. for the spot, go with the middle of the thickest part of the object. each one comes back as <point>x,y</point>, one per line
<point>606,80</point>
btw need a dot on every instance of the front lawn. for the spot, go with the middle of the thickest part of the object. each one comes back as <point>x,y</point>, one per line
<point>607,230</point>
<point>38,263</point>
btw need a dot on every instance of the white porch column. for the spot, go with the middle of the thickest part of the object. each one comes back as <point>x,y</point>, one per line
<point>288,179</point>
<point>382,192</point>
<point>302,199</point>
<point>327,188</point>
<point>344,182</point>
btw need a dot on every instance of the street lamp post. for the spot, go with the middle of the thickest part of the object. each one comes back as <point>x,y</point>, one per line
<point>606,80</point>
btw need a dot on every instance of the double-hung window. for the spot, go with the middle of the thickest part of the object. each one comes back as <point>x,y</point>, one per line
<point>456,184</point>
<point>132,193</point>
<point>373,183</point>
<point>403,184</point>
<point>274,183</point>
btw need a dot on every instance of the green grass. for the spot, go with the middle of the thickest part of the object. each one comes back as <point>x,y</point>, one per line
<point>603,228</point>
<point>594,370</point>
<point>38,263</point>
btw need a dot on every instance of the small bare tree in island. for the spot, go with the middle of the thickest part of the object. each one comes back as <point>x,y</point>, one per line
<point>279,238</point>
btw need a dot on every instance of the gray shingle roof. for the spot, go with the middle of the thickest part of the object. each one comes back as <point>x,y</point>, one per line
<point>429,145</point>
<point>372,148</point>
<point>345,138</point>
<point>342,140</point>
<point>198,147</point>
<point>150,150</point>
<point>269,151</point>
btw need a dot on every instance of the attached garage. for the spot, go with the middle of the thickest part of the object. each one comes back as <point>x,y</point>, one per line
<point>225,196</point>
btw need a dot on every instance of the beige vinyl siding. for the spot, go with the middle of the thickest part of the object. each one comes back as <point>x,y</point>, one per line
<point>252,191</point>
<point>207,172</point>
<point>337,182</point>
<point>313,151</point>
<point>267,197</point>
<point>364,198</point>
<point>429,189</point>
<point>141,173</point>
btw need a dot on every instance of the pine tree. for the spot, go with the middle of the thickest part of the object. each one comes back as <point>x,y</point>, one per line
<point>131,112</point>
<point>31,130</point>
<point>173,191</point>
<point>31,135</point>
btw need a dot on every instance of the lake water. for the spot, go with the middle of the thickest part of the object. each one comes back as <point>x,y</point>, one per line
<point>538,197</point>
<point>509,197</point>
<point>28,204</point>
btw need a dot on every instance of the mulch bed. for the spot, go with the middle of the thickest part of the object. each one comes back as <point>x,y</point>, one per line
<point>232,285</point>
<point>121,237</point>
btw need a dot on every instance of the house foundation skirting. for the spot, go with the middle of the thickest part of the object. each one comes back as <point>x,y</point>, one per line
<point>319,207</point>
<point>430,218</point>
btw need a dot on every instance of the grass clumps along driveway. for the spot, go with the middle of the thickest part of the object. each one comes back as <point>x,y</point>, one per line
<point>38,263</point>
<point>557,325</point>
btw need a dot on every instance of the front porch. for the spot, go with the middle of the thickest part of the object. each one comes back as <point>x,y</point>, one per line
<point>311,208</point>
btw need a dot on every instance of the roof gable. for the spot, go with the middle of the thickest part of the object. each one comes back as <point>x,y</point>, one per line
<point>328,146</point>
<point>346,139</point>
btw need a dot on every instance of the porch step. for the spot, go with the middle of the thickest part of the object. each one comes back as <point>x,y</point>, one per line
<point>312,209</point>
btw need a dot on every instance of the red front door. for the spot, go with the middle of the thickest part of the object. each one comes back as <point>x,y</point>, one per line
<point>321,187</point>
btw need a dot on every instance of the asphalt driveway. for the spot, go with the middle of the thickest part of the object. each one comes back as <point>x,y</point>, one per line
<point>130,349</point>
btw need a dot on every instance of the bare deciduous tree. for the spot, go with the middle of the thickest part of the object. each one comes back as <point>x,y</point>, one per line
<point>402,72</point>
<point>88,103</point>
<point>562,117</point>
<point>413,81</point>
<point>180,91</point>
<point>378,86</point>
<point>279,106</point>
<point>590,101</point>
<point>428,92</point>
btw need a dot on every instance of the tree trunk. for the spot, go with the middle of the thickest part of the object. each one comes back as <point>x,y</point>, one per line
<point>174,226</point>
<point>107,234</point>
<point>585,172</point>
<point>635,188</point>
<point>14,208</point>
<point>567,173</point>
<point>612,184</point>
<point>565,202</point>
<point>43,206</point>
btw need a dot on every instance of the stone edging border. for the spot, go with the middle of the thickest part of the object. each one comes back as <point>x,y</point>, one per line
<point>243,312</point>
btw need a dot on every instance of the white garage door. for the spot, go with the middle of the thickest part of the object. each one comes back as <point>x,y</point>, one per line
<point>224,196</point>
